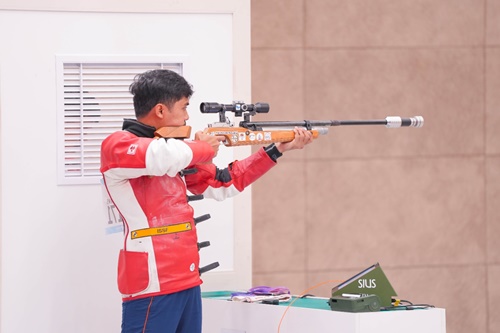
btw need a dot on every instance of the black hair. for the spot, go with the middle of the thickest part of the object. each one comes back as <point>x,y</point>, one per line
<point>158,86</point>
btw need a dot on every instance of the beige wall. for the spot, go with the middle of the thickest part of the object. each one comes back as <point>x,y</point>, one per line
<point>425,203</point>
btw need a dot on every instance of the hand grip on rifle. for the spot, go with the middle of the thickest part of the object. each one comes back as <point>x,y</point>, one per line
<point>213,140</point>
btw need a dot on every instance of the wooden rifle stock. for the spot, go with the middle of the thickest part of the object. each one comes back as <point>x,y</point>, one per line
<point>181,132</point>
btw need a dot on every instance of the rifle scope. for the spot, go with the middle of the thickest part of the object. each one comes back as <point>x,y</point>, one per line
<point>236,107</point>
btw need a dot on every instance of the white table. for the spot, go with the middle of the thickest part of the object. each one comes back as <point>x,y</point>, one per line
<point>223,316</point>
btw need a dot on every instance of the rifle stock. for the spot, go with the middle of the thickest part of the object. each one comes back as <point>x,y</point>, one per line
<point>181,132</point>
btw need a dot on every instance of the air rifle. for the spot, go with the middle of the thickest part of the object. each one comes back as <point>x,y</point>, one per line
<point>264,132</point>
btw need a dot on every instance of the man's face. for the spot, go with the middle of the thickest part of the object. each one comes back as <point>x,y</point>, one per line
<point>177,114</point>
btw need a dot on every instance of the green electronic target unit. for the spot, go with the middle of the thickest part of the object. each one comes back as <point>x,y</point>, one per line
<point>366,291</point>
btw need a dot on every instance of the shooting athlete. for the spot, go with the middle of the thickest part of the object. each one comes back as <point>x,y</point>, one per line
<point>147,179</point>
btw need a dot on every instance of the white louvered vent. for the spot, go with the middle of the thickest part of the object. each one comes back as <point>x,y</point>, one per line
<point>94,100</point>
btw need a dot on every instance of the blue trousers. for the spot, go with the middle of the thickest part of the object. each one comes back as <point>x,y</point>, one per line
<point>174,313</point>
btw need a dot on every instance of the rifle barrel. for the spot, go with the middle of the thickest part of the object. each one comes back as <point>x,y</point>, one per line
<point>389,122</point>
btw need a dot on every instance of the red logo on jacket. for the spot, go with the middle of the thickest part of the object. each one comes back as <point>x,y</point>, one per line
<point>132,149</point>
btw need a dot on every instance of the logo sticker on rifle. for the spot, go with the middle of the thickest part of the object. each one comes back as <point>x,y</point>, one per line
<point>252,136</point>
<point>243,137</point>
<point>260,136</point>
<point>267,136</point>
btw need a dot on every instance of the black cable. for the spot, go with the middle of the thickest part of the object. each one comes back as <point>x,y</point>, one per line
<point>407,307</point>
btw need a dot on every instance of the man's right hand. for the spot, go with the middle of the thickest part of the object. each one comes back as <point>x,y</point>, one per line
<point>213,140</point>
<point>302,138</point>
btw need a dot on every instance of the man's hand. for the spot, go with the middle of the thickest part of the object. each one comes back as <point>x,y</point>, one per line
<point>213,140</point>
<point>302,138</point>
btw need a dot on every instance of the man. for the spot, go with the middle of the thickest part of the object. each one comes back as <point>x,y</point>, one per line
<point>147,178</point>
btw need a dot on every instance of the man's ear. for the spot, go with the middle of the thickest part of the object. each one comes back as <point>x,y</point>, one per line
<point>160,110</point>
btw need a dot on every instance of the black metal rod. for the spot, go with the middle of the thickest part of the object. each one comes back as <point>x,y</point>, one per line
<point>208,267</point>
<point>363,122</point>
<point>309,123</point>
<point>393,122</point>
